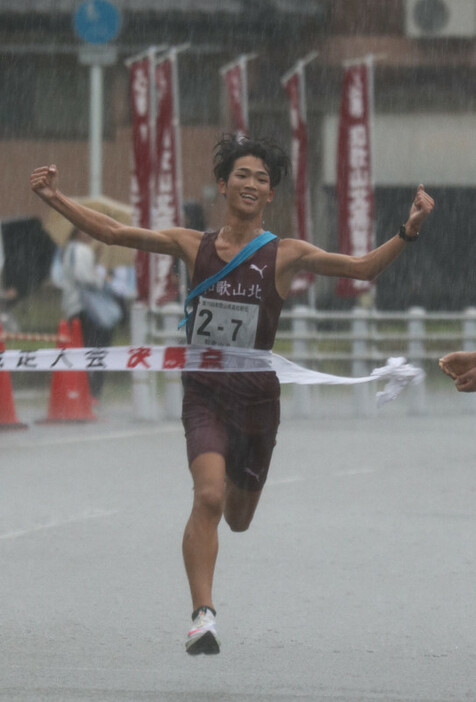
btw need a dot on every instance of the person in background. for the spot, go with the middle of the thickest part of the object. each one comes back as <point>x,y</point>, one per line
<point>122,283</point>
<point>80,267</point>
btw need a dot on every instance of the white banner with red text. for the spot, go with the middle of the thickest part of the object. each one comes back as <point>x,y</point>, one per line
<point>396,373</point>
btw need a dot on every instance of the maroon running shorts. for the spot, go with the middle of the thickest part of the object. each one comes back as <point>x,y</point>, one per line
<point>242,429</point>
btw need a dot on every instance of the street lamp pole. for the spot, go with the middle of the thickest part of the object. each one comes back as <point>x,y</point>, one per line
<point>97,58</point>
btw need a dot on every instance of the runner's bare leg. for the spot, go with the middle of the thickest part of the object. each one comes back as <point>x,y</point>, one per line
<point>240,506</point>
<point>200,540</point>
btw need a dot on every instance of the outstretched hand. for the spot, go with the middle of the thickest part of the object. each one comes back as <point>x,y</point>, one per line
<point>461,367</point>
<point>44,181</point>
<point>421,207</point>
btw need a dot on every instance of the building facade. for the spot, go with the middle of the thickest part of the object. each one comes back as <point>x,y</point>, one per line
<point>424,118</point>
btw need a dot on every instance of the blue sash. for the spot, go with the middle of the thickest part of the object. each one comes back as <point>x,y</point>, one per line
<point>241,256</point>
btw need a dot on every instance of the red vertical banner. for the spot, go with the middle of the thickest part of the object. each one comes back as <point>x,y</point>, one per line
<point>141,175</point>
<point>355,190</point>
<point>234,86</point>
<point>235,78</point>
<point>166,205</point>
<point>294,86</point>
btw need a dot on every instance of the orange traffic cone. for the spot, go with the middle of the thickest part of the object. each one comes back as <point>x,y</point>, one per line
<point>76,333</point>
<point>70,400</point>
<point>83,380</point>
<point>8,415</point>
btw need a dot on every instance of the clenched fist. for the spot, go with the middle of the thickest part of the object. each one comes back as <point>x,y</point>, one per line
<point>44,181</point>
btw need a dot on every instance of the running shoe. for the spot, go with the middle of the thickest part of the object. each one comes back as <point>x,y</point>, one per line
<point>202,637</point>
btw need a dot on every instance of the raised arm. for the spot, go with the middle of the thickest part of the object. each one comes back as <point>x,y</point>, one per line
<point>175,241</point>
<point>296,255</point>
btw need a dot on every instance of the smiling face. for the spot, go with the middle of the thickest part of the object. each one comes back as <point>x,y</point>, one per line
<point>248,188</point>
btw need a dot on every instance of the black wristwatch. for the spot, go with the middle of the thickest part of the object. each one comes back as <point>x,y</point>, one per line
<point>402,233</point>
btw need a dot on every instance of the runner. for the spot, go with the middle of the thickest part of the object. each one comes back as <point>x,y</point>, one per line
<point>231,420</point>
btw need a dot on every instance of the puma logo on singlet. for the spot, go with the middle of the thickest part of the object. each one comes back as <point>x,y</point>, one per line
<point>252,473</point>
<point>260,270</point>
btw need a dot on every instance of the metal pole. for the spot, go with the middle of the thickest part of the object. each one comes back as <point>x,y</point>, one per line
<point>231,64</point>
<point>144,54</point>
<point>96,57</point>
<point>416,353</point>
<point>360,366</point>
<point>171,314</point>
<point>299,66</point>
<point>144,392</point>
<point>301,393</point>
<point>95,129</point>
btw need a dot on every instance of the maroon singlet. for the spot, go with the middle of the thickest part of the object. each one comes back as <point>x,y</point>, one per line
<point>235,414</point>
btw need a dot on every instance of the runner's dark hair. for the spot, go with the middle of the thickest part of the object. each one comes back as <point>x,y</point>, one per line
<point>231,147</point>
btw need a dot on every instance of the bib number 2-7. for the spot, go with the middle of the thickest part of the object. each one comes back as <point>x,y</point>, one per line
<point>222,323</point>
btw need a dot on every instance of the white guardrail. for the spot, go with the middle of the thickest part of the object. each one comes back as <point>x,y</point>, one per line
<point>349,343</point>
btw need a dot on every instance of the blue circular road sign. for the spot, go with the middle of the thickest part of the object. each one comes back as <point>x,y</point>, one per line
<point>97,21</point>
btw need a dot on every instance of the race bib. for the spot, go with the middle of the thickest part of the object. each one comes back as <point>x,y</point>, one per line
<point>222,323</point>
